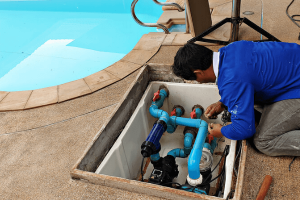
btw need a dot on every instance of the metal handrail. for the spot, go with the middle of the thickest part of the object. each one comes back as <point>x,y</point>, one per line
<point>146,24</point>
<point>169,4</point>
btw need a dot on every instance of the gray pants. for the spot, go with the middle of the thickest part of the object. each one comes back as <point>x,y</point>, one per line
<point>278,132</point>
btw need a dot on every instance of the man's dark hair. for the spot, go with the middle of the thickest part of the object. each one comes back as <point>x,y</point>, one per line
<point>191,57</point>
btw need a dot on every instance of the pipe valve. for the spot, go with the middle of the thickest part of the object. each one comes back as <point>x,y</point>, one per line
<point>156,96</point>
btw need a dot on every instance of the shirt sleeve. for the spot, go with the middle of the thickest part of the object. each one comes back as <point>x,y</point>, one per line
<point>239,98</point>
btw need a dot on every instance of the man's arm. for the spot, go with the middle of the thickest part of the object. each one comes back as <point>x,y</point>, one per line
<point>213,110</point>
<point>215,130</point>
<point>239,97</point>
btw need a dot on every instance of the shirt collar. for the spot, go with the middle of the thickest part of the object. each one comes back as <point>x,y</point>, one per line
<point>216,56</point>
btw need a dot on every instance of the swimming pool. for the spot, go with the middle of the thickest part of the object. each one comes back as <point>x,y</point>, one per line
<point>46,43</point>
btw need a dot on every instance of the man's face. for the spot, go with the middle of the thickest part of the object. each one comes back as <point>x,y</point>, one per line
<point>205,76</point>
<point>201,76</point>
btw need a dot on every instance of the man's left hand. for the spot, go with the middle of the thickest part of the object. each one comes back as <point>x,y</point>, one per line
<point>215,130</point>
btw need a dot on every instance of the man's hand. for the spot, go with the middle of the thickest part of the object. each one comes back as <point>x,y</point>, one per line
<point>213,110</point>
<point>215,130</point>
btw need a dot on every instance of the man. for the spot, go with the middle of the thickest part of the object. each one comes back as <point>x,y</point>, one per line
<point>246,72</point>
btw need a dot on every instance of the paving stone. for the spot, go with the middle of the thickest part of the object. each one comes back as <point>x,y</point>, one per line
<point>169,39</point>
<point>72,89</point>
<point>181,39</point>
<point>215,3</point>
<point>41,97</point>
<point>150,42</point>
<point>138,56</point>
<point>15,100</point>
<point>3,95</point>
<point>165,55</point>
<point>122,69</point>
<point>170,17</point>
<point>223,32</point>
<point>224,10</point>
<point>100,80</point>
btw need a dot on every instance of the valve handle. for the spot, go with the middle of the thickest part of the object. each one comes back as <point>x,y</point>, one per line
<point>156,96</point>
<point>173,113</point>
<point>210,138</point>
<point>193,114</point>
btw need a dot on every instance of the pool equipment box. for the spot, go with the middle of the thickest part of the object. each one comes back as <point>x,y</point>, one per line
<point>120,167</point>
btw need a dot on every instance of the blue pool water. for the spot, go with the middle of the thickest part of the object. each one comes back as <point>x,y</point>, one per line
<point>50,42</point>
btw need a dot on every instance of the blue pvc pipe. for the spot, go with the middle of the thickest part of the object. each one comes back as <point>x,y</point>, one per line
<point>171,128</point>
<point>177,153</point>
<point>162,115</point>
<point>198,113</point>
<point>188,141</point>
<point>154,108</point>
<point>196,153</point>
<point>155,157</point>
<point>155,135</point>
<point>186,121</point>
<point>159,103</point>
<point>208,146</point>
<point>212,145</point>
<point>183,153</point>
<point>178,112</point>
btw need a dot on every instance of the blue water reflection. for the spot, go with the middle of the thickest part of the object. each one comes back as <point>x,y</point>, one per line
<point>46,43</point>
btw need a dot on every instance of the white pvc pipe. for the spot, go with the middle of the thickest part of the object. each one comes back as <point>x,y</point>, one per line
<point>229,168</point>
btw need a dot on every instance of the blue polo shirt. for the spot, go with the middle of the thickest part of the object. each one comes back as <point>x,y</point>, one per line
<point>263,72</point>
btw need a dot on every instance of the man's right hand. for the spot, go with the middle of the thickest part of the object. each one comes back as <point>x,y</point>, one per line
<point>213,110</point>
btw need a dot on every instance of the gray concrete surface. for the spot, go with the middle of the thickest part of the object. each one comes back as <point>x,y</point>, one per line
<point>38,147</point>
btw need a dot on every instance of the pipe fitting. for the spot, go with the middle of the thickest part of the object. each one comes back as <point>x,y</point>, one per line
<point>194,182</point>
<point>155,157</point>
<point>177,111</point>
<point>188,143</point>
<point>191,130</point>
<point>179,107</point>
<point>198,106</point>
<point>163,87</point>
<point>177,153</point>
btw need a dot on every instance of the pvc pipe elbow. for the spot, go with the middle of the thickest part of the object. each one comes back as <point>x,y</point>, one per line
<point>164,116</point>
<point>194,182</point>
<point>155,112</point>
<point>155,157</point>
<point>177,153</point>
<point>188,140</point>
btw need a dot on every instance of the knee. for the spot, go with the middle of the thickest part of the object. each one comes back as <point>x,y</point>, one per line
<point>259,144</point>
<point>263,146</point>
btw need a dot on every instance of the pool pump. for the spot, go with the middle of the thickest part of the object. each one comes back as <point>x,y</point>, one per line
<point>199,152</point>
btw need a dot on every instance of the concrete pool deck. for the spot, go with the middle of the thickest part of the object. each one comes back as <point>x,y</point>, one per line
<point>39,146</point>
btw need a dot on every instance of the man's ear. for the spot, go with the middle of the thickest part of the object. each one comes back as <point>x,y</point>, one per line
<point>198,71</point>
